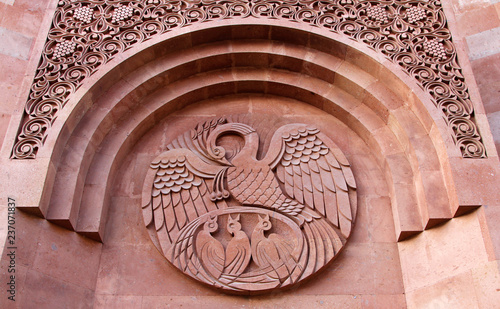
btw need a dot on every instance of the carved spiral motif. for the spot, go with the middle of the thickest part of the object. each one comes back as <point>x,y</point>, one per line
<point>212,225</point>
<point>26,149</point>
<point>218,152</point>
<point>88,33</point>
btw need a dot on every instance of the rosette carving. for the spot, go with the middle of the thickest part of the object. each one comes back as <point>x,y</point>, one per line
<point>88,33</point>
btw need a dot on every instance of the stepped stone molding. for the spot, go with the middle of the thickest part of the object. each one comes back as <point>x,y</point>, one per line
<point>86,34</point>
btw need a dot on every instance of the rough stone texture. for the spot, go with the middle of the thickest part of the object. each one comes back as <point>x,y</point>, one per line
<point>14,44</point>
<point>454,264</point>
<point>480,44</point>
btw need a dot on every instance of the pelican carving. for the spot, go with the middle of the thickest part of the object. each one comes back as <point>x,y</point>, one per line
<point>303,181</point>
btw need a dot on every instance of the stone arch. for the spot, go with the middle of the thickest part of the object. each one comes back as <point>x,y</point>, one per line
<point>366,92</point>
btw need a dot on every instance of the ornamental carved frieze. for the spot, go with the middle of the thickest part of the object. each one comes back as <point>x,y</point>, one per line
<point>244,220</point>
<point>86,34</point>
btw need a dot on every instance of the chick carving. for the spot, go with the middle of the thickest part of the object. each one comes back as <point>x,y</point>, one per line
<point>238,250</point>
<point>209,249</point>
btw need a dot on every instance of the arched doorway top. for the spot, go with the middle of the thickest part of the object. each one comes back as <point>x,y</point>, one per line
<point>86,34</point>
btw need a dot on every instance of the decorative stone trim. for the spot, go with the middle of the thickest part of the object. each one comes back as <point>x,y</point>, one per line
<point>86,34</point>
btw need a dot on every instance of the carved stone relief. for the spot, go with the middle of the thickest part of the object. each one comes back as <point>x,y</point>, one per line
<point>231,216</point>
<point>86,34</point>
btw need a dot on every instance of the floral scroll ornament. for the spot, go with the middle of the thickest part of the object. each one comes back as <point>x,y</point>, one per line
<point>86,34</point>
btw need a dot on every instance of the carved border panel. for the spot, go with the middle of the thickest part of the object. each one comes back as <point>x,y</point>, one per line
<point>86,34</point>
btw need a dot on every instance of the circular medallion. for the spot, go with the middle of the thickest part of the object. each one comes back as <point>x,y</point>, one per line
<point>231,216</point>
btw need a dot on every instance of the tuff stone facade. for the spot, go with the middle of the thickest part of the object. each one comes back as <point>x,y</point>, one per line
<point>416,121</point>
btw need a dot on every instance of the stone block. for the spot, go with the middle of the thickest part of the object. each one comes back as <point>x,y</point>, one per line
<point>452,292</point>
<point>481,45</point>
<point>15,44</point>
<point>445,251</point>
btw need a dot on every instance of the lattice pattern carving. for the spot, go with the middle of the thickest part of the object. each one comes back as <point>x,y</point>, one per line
<point>88,33</point>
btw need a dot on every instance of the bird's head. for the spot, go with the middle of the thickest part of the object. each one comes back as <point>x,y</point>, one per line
<point>248,151</point>
<point>211,225</point>
<point>233,225</point>
<point>264,223</point>
<point>218,153</point>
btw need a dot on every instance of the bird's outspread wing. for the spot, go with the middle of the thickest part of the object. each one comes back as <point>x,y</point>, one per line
<point>179,184</point>
<point>313,171</point>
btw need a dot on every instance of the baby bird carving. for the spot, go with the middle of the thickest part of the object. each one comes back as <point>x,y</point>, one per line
<point>209,249</point>
<point>238,250</point>
<point>269,251</point>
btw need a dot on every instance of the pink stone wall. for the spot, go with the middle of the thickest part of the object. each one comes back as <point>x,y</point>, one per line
<point>452,265</point>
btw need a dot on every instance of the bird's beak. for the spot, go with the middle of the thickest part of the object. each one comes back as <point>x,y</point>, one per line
<point>224,161</point>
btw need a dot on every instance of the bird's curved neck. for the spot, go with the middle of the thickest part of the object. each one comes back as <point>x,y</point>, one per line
<point>257,234</point>
<point>251,138</point>
<point>249,151</point>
